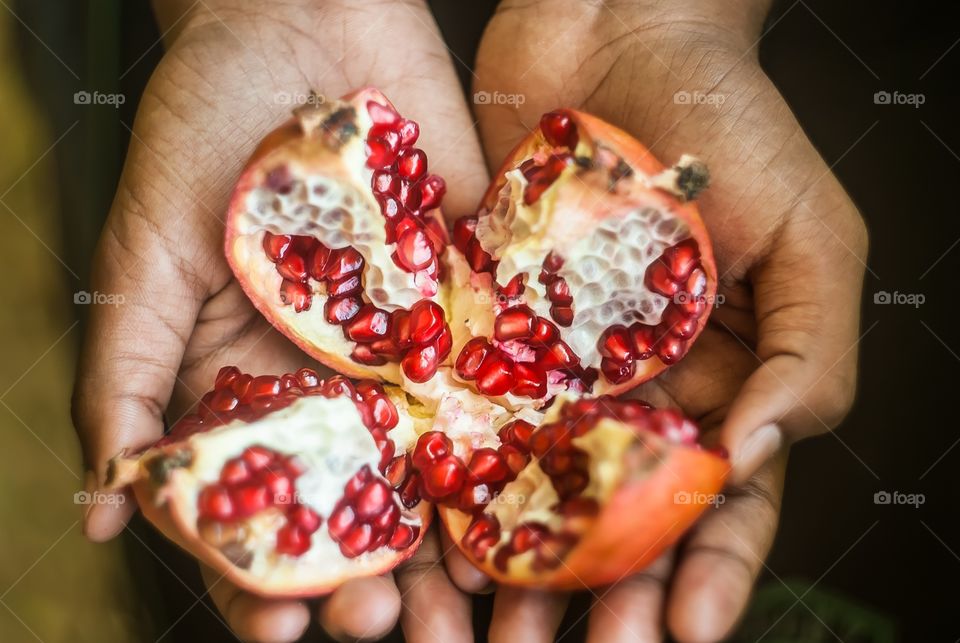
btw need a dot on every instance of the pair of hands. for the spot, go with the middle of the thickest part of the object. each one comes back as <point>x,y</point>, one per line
<point>777,361</point>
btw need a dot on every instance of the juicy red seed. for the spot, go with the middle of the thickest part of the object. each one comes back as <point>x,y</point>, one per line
<point>495,376</point>
<point>642,339</point>
<point>403,536</point>
<point>410,491</point>
<point>559,293</point>
<point>515,458</point>
<point>385,414</point>
<point>431,446</point>
<point>445,477</point>
<point>226,377</point>
<point>370,324</point>
<point>374,499</point>
<point>517,433</point>
<point>478,258</point>
<point>463,231</point>
<point>296,294</point>
<point>396,472</point>
<point>277,484</point>
<point>387,520</point>
<point>474,497</point>
<point>344,263</point>
<point>384,182</point>
<point>341,520</point>
<point>670,349</point>
<point>234,472</point>
<point>347,286</point>
<point>275,245</point>
<point>421,362</point>
<point>319,262</point>
<point>696,284</point>
<point>678,324</point>
<point>292,540</point>
<point>563,315</point>
<point>682,258</point>
<point>364,354</point>
<point>432,190</point>
<point>357,541</point>
<point>527,536</point>
<point>530,381</point>
<point>410,195</point>
<point>414,250</point>
<point>343,309</point>
<point>486,465</point>
<point>552,263</point>
<point>215,502</point>
<point>515,323</point>
<point>409,131</point>
<point>382,151</point>
<point>659,279</point>
<point>545,332</point>
<point>515,287</point>
<point>223,401</point>
<point>292,267</point>
<point>257,457</point>
<point>382,114</point>
<point>615,344</point>
<point>558,129</point>
<point>249,499</point>
<point>412,164</point>
<point>617,372</point>
<point>426,321</point>
<point>483,533</point>
<point>558,355</point>
<point>357,483</point>
<point>305,518</point>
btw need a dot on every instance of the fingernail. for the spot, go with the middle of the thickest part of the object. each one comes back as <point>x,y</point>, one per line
<point>757,449</point>
<point>89,488</point>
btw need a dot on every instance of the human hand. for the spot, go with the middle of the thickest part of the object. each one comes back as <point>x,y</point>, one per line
<point>209,102</point>
<point>778,359</point>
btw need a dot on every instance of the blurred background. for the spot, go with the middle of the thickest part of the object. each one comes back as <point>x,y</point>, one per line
<point>853,561</point>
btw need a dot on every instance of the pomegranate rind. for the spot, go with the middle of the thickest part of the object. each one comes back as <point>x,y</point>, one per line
<point>643,518</point>
<point>163,508</point>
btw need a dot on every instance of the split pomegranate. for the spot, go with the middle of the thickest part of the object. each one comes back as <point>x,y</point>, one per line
<point>335,234</point>
<point>586,270</point>
<point>587,267</point>
<point>278,482</point>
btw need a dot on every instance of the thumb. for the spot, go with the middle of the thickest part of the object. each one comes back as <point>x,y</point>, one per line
<point>807,297</point>
<point>132,350</point>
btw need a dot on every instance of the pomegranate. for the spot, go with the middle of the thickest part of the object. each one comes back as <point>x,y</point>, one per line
<point>587,267</point>
<point>284,484</point>
<point>586,271</point>
<point>334,232</point>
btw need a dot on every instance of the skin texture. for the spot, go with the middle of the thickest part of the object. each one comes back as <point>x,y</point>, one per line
<point>777,361</point>
<point>209,102</point>
<point>780,353</point>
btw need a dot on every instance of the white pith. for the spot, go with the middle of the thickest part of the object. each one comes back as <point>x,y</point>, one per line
<point>604,265</point>
<point>329,438</point>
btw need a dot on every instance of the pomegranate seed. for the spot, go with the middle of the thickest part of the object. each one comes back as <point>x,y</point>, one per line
<point>682,258</point>
<point>396,472</point>
<point>445,477</point>
<point>384,182</point>
<point>670,349</point>
<point>431,446</point>
<point>472,357</point>
<point>515,287</point>
<point>516,433</point>
<point>677,324</point>
<point>617,372</point>
<point>659,279</point>
<point>414,250</point>
<point>410,196</point>
<point>370,324</point>
<point>387,520</point>
<point>514,458</point>
<point>545,332</point>
<point>223,401</point>
<point>474,497</point>
<point>305,518</point>
<point>615,344</point>
<point>421,362</point>
<point>374,499</point>
<point>292,540</point>
<point>341,521</point>
<point>527,536</point>
<point>563,315</point>
<point>275,245</point>
<point>357,483</point>
<point>357,541</point>
<point>391,209</point>
<point>463,231</point>
<point>642,339</point>
<point>319,262</point>
<point>382,114</point>
<point>412,164</point>
<point>530,381</point>
<point>696,284</point>
<point>559,355</point>
<point>495,376</point>
<point>409,132</point>
<point>478,258</point>
<point>277,484</point>
<point>339,310</point>
<point>215,502</point>
<point>515,323</point>
<point>345,287</point>
<point>292,267</point>
<point>410,491</point>
<point>426,321</point>
<point>264,386</point>
<point>234,472</point>
<point>432,190</point>
<point>486,465</point>
<point>558,129</point>
<point>226,377</point>
<point>296,294</point>
<point>344,263</point>
<point>382,150</point>
<point>483,533</point>
<point>559,293</point>
<point>249,499</point>
<point>552,263</point>
<point>364,354</point>
<point>403,536</point>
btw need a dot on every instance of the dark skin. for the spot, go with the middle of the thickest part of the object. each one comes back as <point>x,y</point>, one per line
<point>778,355</point>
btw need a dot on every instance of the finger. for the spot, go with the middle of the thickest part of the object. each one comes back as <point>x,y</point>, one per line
<point>363,609</point>
<point>132,349</point>
<point>253,618</point>
<point>721,559</point>
<point>632,610</point>
<point>806,293</point>
<point>434,610</point>
<point>461,571</point>
<point>521,614</point>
